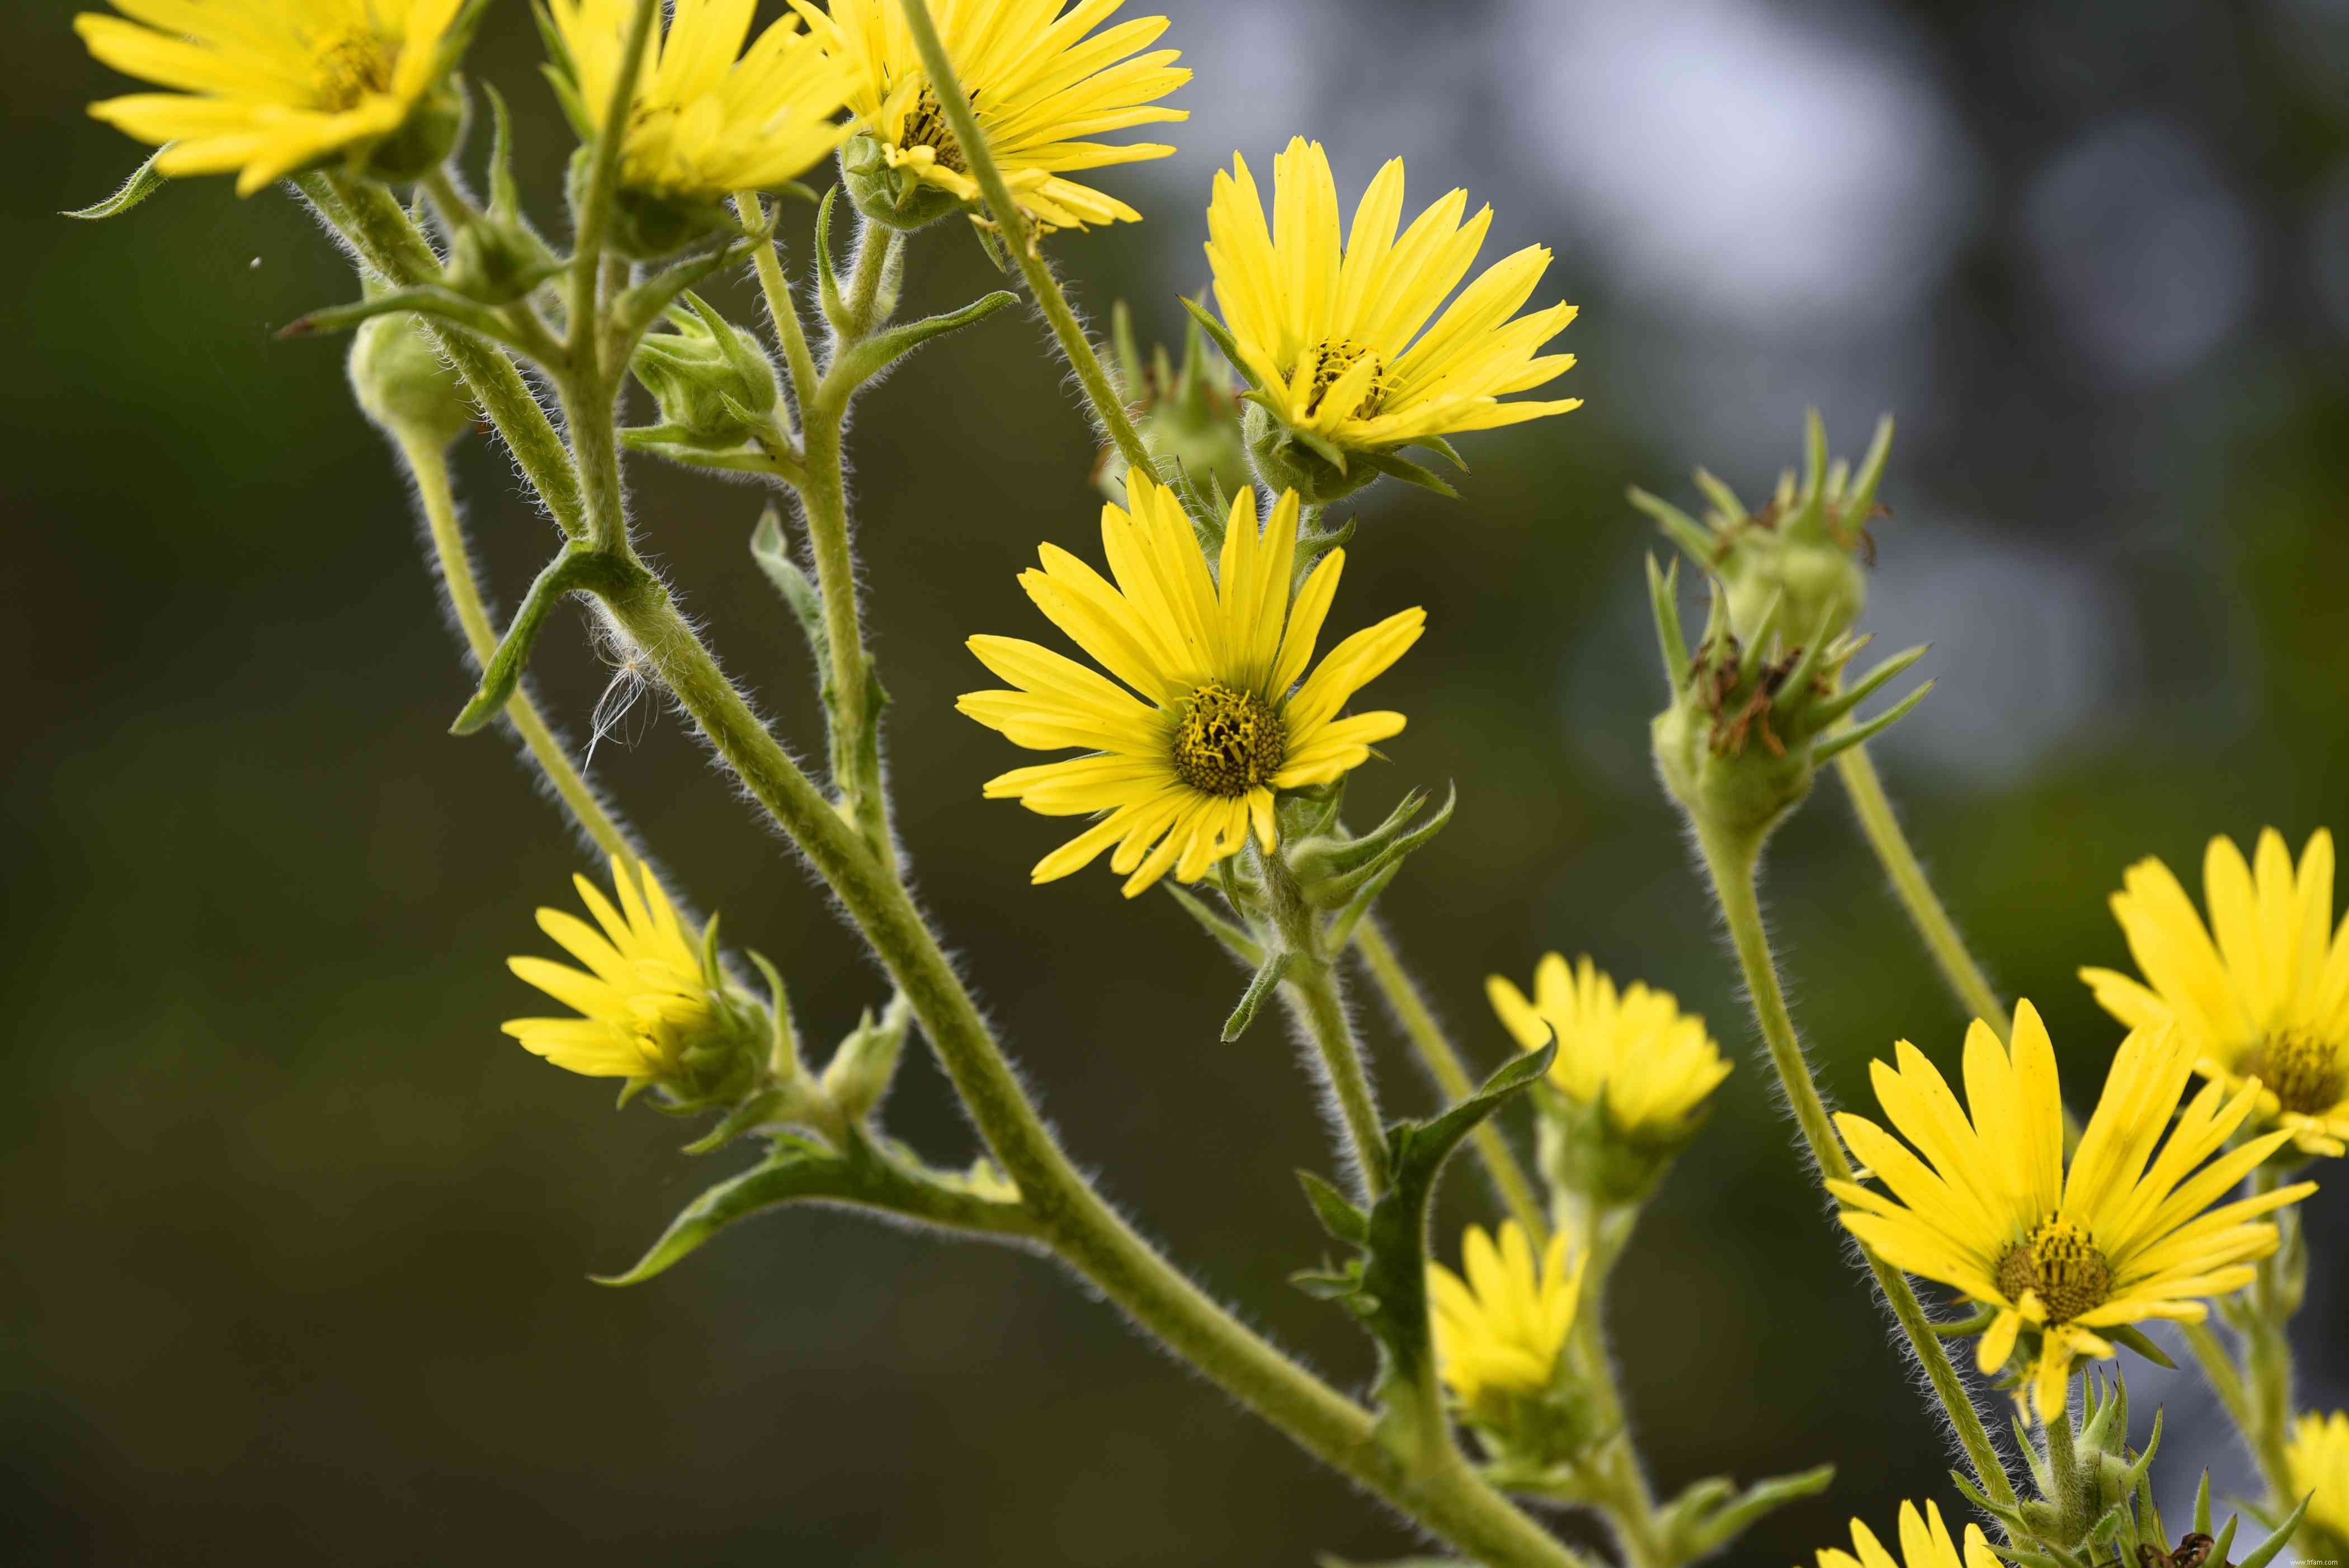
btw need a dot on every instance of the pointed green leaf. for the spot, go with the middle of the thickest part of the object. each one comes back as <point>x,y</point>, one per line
<point>1336,1214</point>
<point>1260,986</point>
<point>2264,1552</point>
<point>1236,941</point>
<point>874,355</point>
<point>798,1168</point>
<point>773,553</point>
<point>144,181</point>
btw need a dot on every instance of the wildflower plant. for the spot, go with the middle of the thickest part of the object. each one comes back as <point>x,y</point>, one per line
<point>1215,734</point>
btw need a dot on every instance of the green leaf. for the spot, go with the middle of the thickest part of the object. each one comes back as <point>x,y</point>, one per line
<point>1336,1214</point>
<point>144,181</point>
<point>1719,1526</point>
<point>1219,334</point>
<point>1410,473</point>
<point>2134,1338</point>
<point>2264,1552</point>
<point>1236,942</point>
<point>1260,986</point>
<point>1342,889</point>
<point>870,357</point>
<point>576,570</point>
<point>774,554</point>
<point>797,1169</point>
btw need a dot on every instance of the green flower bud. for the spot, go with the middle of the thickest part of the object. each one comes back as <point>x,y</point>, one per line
<point>895,197</point>
<point>1807,550</point>
<point>1187,417</point>
<point>422,141</point>
<point>404,385</point>
<point>1287,458</point>
<point>1750,721</point>
<point>858,1075</point>
<point>1584,1150</point>
<point>646,225</point>
<point>714,384</point>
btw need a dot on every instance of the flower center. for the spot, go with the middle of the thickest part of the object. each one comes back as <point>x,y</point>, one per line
<point>2059,1262</point>
<point>1229,742</point>
<point>925,125</point>
<point>1331,359</point>
<point>353,66</point>
<point>2308,1073</point>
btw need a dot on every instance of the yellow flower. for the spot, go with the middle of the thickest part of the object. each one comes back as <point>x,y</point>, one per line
<point>1331,334</point>
<point>2318,1457</point>
<point>1925,1542</point>
<point>1036,83</point>
<point>2269,1001</point>
<point>1222,719</point>
<point>269,87</point>
<point>1991,1210</point>
<point>1653,1062</point>
<point>1501,1329</point>
<point>705,123</point>
<point>645,996</point>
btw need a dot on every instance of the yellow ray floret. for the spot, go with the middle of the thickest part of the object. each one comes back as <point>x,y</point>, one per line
<point>705,122</point>
<point>1329,331</point>
<point>1217,711</point>
<point>1991,1210</point>
<point>2318,1458</point>
<point>1652,1062</point>
<point>1041,83</point>
<point>2268,1000</point>
<point>1500,1330</point>
<point>268,88</point>
<point>1925,1542</point>
<point>644,996</point>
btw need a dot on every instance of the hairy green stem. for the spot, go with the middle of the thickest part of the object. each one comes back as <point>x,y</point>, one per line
<point>2267,1365</point>
<point>1437,1053</point>
<point>1617,1483</point>
<point>1731,864</point>
<point>1078,1225</point>
<point>595,216</point>
<point>1309,987</point>
<point>1926,911</point>
<point>1012,225</point>
<point>427,463</point>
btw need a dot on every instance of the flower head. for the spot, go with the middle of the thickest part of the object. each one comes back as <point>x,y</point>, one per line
<point>1500,1330</point>
<point>1925,1542</point>
<point>2318,1457</point>
<point>1991,1210</point>
<point>705,123</point>
<point>1040,82</point>
<point>2269,1002</point>
<point>269,87</point>
<point>1221,712</point>
<point>645,996</point>
<point>1328,329</point>
<point>1650,1063</point>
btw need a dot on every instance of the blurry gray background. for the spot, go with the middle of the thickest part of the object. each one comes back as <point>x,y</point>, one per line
<point>292,1259</point>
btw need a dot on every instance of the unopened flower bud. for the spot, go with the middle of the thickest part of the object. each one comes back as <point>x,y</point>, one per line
<point>892,194</point>
<point>1187,417</point>
<point>714,384</point>
<point>1807,550</point>
<point>858,1075</point>
<point>404,385</point>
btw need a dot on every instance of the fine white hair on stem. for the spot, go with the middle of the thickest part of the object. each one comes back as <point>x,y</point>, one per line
<point>632,672</point>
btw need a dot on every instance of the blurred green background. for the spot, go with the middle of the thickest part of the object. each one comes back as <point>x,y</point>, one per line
<point>294,1256</point>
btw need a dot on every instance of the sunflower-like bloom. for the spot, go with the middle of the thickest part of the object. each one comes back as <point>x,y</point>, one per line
<point>1991,1210</point>
<point>2269,1002</point>
<point>645,996</point>
<point>1329,331</point>
<point>1038,85</point>
<point>269,87</point>
<point>705,123</point>
<point>1925,1542</point>
<point>1221,712</point>
<point>2318,1457</point>
<point>1652,1064</point>
<point>1500,1330</point>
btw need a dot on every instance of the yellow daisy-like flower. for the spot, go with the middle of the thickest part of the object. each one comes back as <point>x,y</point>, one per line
<point>268,88</point>
<point>1991,1210</point>
<point>644,996</point>
<point>705,123</point>
<point>1221,712</point>
<point>2269,1002</point>
<point>1329,331</point>
<point>2318,1457</point>
<point>1038,84</point>
<point>1652,1062</point>
<point>1500,1330</point>
<point>1925,1542</point>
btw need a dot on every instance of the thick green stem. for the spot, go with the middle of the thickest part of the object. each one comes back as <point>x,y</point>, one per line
<point>1442,1062</point>
<point>1309,987</point>
<point>429,464</point>
<point>1012,224</point>
<point>1733,865</point>
<point>2267,1367</point>
<point>1926,911</point>
<point>1078,1225</point>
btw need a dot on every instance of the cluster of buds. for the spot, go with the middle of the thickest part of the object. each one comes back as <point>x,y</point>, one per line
<point>1753,717</point>
<point>1186,415</point>
<point>1805,552</point>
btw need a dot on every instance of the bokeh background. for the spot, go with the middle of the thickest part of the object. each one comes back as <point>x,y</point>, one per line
<point>294,1250</point>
